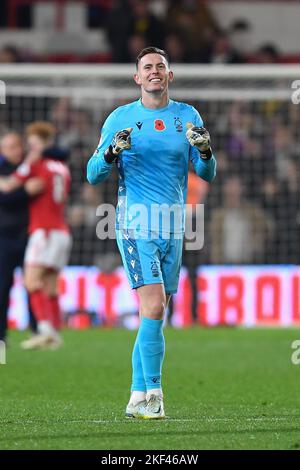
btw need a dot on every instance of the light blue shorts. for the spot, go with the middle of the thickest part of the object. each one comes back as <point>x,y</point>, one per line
<point>151,260</point>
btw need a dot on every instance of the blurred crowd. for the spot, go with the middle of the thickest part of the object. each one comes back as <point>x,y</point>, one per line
<point>186,29</point>
<point>253,211</point>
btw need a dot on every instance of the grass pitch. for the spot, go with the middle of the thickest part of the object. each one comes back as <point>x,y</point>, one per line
<point>224,389</point>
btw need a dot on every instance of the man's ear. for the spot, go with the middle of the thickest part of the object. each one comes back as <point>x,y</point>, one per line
<point>171,76</point>
<point>137,79</point>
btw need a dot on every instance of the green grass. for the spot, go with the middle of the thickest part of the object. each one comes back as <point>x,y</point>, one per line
<point>224,389</point>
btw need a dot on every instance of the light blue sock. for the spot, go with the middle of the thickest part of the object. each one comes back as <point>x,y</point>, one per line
<point>138,381</point>
<point>152,350</point>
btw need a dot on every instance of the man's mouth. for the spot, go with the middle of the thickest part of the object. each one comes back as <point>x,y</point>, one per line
<point>155,80</point>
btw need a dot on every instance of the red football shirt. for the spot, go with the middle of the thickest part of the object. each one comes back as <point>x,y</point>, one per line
<point>46,210</point>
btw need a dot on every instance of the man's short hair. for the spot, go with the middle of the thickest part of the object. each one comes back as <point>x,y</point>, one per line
<point>151,50</point>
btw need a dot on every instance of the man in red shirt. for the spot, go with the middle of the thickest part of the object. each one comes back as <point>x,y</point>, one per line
<point>48,182</point>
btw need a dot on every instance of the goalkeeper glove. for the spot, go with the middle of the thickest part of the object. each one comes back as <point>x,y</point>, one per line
<point>199,137</point>
<point>120,142</point>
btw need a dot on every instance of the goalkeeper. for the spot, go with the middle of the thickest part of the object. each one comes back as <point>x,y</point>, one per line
<point>151,141</point>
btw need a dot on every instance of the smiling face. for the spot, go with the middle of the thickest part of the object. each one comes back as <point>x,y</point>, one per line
<point>153,74</point>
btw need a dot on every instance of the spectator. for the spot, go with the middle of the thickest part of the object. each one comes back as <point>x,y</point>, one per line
<point>239,230</point>
<point>240,34</point>
<point>222,52</point>
<point>9,55</point>
<point>137,22</point>
<point>195,23</point>
<point>83,219</point>
<point>117,30</point>
<point>176,48</point>
<point>13,228</point>
<point>268,54</point>
<point>60,115</point>
<point>283,145</point>
<point>145,23</point>
<point>47,182</point>
<point>3,13</point>
<point>136,42</point>
<point>197,192</point>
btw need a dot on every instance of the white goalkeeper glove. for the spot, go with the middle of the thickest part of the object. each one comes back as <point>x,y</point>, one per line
<point>199,137</point>
<point>120,142</point>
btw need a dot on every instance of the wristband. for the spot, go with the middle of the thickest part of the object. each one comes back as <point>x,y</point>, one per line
<point>206,154</point>
<point>109,155</point>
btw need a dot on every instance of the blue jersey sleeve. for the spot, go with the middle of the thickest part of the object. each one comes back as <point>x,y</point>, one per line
<point>206,169</point>
<point>97,168</point>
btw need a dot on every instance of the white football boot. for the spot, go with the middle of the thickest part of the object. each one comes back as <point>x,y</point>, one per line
<point>136,410</point>
<point>154,408</point>
<point>36,342</point>
<point>43,341</point>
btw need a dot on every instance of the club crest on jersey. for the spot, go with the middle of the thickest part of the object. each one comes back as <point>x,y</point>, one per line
<point>178,124</point>
<point>154,269</point>
<point>159,125</point>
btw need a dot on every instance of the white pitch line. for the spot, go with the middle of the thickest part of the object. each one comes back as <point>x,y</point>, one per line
<point>170,420</point>
<point>207,419</point>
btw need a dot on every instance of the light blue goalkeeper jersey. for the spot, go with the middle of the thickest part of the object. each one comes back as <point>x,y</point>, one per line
<point>153,174</point>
